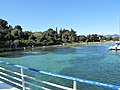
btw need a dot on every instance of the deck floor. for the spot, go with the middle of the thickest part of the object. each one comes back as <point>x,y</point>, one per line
<point>4,86</point>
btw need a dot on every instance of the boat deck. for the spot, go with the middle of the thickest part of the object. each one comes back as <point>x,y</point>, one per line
<point>4,86</point>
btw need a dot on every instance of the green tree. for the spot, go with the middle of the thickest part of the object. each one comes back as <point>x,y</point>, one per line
<point>26,35</point>
<point>94,38</point>
<point>3,24</point>
<point>18,34</point>
<point>49,37</point>
<point>32,37</point>
<point>67,36</point>
<point>116,39</point>
<point>73,35</point>
<point>89,39</point>
<point>109,38</point>
<point>10,27</point>
<point>18,27</point>
<point>39,37</point>
<point>9,36</point>
<point>101,38</point>
<point>82,38</point>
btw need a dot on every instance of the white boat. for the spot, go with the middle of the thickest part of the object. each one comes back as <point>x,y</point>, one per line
<point>115,47</point>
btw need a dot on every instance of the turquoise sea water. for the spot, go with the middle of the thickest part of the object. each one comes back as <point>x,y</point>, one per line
<point>92,62</point>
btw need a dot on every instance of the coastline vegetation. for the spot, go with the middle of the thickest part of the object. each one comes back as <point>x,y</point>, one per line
<point>14,37</point>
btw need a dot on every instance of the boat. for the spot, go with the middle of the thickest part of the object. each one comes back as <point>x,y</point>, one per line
<point>115,47</point>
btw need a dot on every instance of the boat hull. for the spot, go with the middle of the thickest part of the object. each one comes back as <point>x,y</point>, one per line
<point>115,47</point>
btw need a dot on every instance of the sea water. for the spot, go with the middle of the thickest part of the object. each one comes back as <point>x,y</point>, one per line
<point>92,62</point>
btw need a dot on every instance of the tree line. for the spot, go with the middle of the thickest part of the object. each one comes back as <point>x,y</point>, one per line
<point>9,34</point>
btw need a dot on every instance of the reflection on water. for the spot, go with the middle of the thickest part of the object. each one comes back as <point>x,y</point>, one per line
<point>17,54</point>
<point>115,52</point>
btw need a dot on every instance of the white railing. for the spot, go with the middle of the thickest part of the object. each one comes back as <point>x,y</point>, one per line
<point>20,76</point>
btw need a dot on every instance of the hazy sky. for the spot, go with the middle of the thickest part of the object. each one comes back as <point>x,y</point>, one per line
<point>84,16</point>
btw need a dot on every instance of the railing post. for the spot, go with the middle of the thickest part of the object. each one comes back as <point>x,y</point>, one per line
<point>22,79</point>
<point>74,85</point>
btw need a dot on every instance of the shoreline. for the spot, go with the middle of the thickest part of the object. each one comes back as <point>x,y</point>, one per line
<point>63,45</point>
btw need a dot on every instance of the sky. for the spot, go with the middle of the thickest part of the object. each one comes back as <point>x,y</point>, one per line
<point>84,16</point>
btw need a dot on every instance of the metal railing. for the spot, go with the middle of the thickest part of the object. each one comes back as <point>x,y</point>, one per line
<point>5,73</point>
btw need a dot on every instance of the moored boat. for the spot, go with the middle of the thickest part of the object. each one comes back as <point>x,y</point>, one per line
<point>115,47</point>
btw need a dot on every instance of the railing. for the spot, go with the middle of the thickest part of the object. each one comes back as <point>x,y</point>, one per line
<point>25,84</point>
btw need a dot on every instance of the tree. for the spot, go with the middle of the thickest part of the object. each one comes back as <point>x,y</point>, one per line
<point>32,37</point>
<point>18,34</point>
<point>82,38</point>
<point>10,27</point>
<point>88,39</point>
<point>109,38</point>
<point>101,38</point>
<point>9,36</point>
<point>73,35</point>
<point>1,38</point>
<point>3,24</point>
<point>39,37</point>
<point>18,27</point>
<point>94,38</point>
<point>116,39</point>
<point>26,35</point>
<point>50,36</point>
<point>67,36</point>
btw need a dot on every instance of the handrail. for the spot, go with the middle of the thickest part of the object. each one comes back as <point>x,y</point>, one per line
<point>64,76</point>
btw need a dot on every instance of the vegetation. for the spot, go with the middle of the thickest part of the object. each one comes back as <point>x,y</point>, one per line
<point>11,37</point>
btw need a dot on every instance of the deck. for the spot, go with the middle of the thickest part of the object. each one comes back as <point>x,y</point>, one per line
<point>4,86</point>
